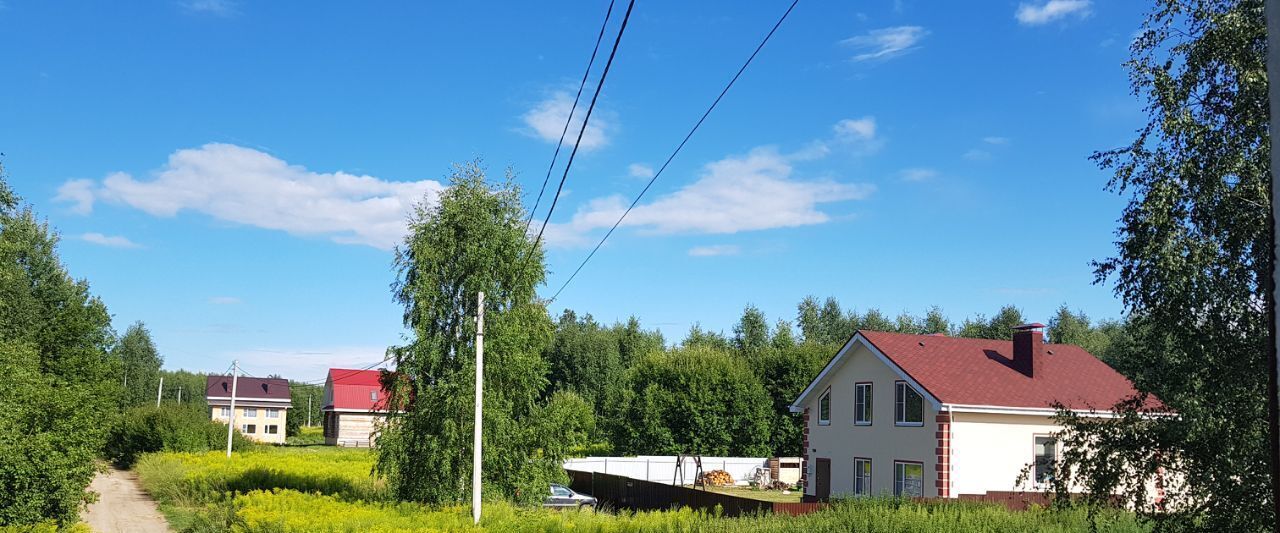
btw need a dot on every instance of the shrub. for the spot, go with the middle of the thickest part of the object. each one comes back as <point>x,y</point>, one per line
<point>168,428</point>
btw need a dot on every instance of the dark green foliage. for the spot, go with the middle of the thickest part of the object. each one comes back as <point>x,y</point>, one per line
<point>169,428</point>
<point>705,338</point>
<point>783,337</point>
<point>634,342</point>
<point>585,358</point>
<point>59,389</point>
<point>1193,268</point>
<point>999,327</point>
<point>471,240</point>
<point>696,399</point>
<point>751,333</point>
<point>784,373</point>
<point>190,383</point>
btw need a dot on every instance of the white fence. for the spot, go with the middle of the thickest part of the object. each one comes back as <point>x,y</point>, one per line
<point>662,468</point>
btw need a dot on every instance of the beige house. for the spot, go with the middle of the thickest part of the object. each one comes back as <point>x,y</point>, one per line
<point>935,416</point>
<point>354,407</point>
<point>262,405</point>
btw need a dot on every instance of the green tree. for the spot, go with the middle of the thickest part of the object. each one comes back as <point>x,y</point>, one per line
<point>303,396</point>
<point>634,342</point>
<point>1193,268</point>
<point>751,333</point>
<point>807,318</point>
<point>470,240</point>
<point>701,337</point>
<point>782,336</point>
<point>695,399</point>
<point>584,358</point>
<point>999,327</point>
<point>140,365</point>
<point>784,373</point>
<point>874,320</point>
<point>836,327</point>
<point>935,322</point>
<point>1067,327</point>
<point>60,388</point>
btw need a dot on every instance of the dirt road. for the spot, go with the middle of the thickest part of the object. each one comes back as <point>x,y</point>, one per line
<point>122,506</point>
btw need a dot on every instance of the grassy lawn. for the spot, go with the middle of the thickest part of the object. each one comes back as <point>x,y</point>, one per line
<point>307,436</point>
<point>282,489</point>
<point>765,495</point>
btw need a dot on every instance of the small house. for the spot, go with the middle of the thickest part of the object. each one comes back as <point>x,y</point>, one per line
<point>262,405</point>
<point>354,406</point>
<point>941,417</point>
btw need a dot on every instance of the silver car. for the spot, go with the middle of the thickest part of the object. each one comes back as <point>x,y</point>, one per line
<point>564,498</point>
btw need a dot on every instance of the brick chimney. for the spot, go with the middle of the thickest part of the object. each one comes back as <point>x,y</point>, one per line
<point>1028,349</point>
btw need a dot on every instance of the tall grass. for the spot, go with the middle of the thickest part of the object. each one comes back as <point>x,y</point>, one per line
<point>324,489</point>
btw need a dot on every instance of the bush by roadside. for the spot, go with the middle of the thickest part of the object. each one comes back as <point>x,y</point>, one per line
<point>168,428</point>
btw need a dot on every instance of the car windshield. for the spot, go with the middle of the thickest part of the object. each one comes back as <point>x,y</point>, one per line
<point>557,490</point>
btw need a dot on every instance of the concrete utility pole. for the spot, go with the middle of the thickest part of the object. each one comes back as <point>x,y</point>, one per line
<point>308,410</point>
<point>179,393</point>
<point>475,442</point>
<point>231,423</point>
<point>1273,363</point>
<point>159,389</point>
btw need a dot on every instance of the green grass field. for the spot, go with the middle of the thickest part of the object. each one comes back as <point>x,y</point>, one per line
<point>317,488</point>
<point>765,495</point>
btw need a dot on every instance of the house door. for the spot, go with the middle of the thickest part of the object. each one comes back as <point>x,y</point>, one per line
<point>822,487</point>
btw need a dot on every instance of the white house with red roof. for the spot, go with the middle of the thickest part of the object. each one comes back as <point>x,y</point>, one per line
<point>935,416</point>
<point>354,406</point>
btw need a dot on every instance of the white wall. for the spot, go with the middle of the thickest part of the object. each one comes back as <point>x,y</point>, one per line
<point>882,441</point>
<point>661,468</point>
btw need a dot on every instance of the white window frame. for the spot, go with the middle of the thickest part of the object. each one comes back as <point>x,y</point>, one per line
<point>900,478</point>
<point>826,397</point>
<point>868,405</point>
<point>900,390</point>
<point>272,412</point>
<point>1035,457</point>
<point>858,477</point>
<point>373,395</point>
<point>224,412</point>
<point>271,429</point>
<point>248,429</point>
<point>249,412</point>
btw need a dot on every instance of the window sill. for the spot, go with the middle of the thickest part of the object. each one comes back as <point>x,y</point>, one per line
<point>856,423</point>
<point>909,424</point>
<point>822,423</point>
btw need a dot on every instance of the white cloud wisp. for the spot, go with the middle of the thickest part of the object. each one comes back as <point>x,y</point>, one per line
<point>546,121</point>
<point>1038,15</point>
<point>886,43</point>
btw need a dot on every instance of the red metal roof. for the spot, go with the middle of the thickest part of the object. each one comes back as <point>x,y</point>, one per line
<point>356,389</point>
<point>979,372</point>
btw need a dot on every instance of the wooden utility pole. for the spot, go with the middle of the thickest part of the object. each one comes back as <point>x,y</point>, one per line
<point>1272,8</point>
<point>475,441</point>
<point>231,422</point>
<point>159,389</point>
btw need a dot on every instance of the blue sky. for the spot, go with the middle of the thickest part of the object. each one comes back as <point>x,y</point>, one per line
<point>235,173</point>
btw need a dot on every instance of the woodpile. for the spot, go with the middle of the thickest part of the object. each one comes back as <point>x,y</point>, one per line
<point>717,478</point>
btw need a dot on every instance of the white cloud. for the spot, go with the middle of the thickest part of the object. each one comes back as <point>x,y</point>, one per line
<point>112,241</point>
<point>856,135</point>
<point>999,141</point>
<point>714,250</point>
<point>756,191</point>
<point>1036,15</point>
<point>885,43</point>
<point>221,8</point>
<point>546,122</point>
<point>79,193</point>
<point>224,300</point>
<point>863,129</point>
<point>977,155</point>
<point>917,174</point>
<point>250,187</point>
<point>637,170</point>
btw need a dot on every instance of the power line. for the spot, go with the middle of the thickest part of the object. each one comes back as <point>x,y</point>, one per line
<point>348,374</point>
<point>599,86</point>
<point>677,150</point>
<point>569,119</point>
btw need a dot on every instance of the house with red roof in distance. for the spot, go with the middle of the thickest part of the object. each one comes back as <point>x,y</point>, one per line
<point>261,405</point>
<point>941,417</point>
<point>354,407</point>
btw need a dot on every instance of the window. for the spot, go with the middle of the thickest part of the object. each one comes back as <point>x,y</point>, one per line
<point>862,404</point>
<point>225,412</point>
<point>824,408</point>
<point>560,492</point>
<point>373,395</point>
<point>251,412</point>
<point>908,406</point>
<point>248,429</point>
<point>862,477</point>
<point>272,429</point>
<point>908,479</point>
<point>1046,454</point>
<point>273,413</point>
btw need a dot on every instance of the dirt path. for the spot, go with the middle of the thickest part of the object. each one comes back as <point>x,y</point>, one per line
<point>122,506</point>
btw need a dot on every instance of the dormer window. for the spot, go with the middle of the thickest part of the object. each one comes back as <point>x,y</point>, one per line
<point>824,408</point>
<point>908,406</point>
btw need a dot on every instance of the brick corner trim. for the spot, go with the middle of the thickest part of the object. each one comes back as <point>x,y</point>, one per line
<point>943,452</point>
